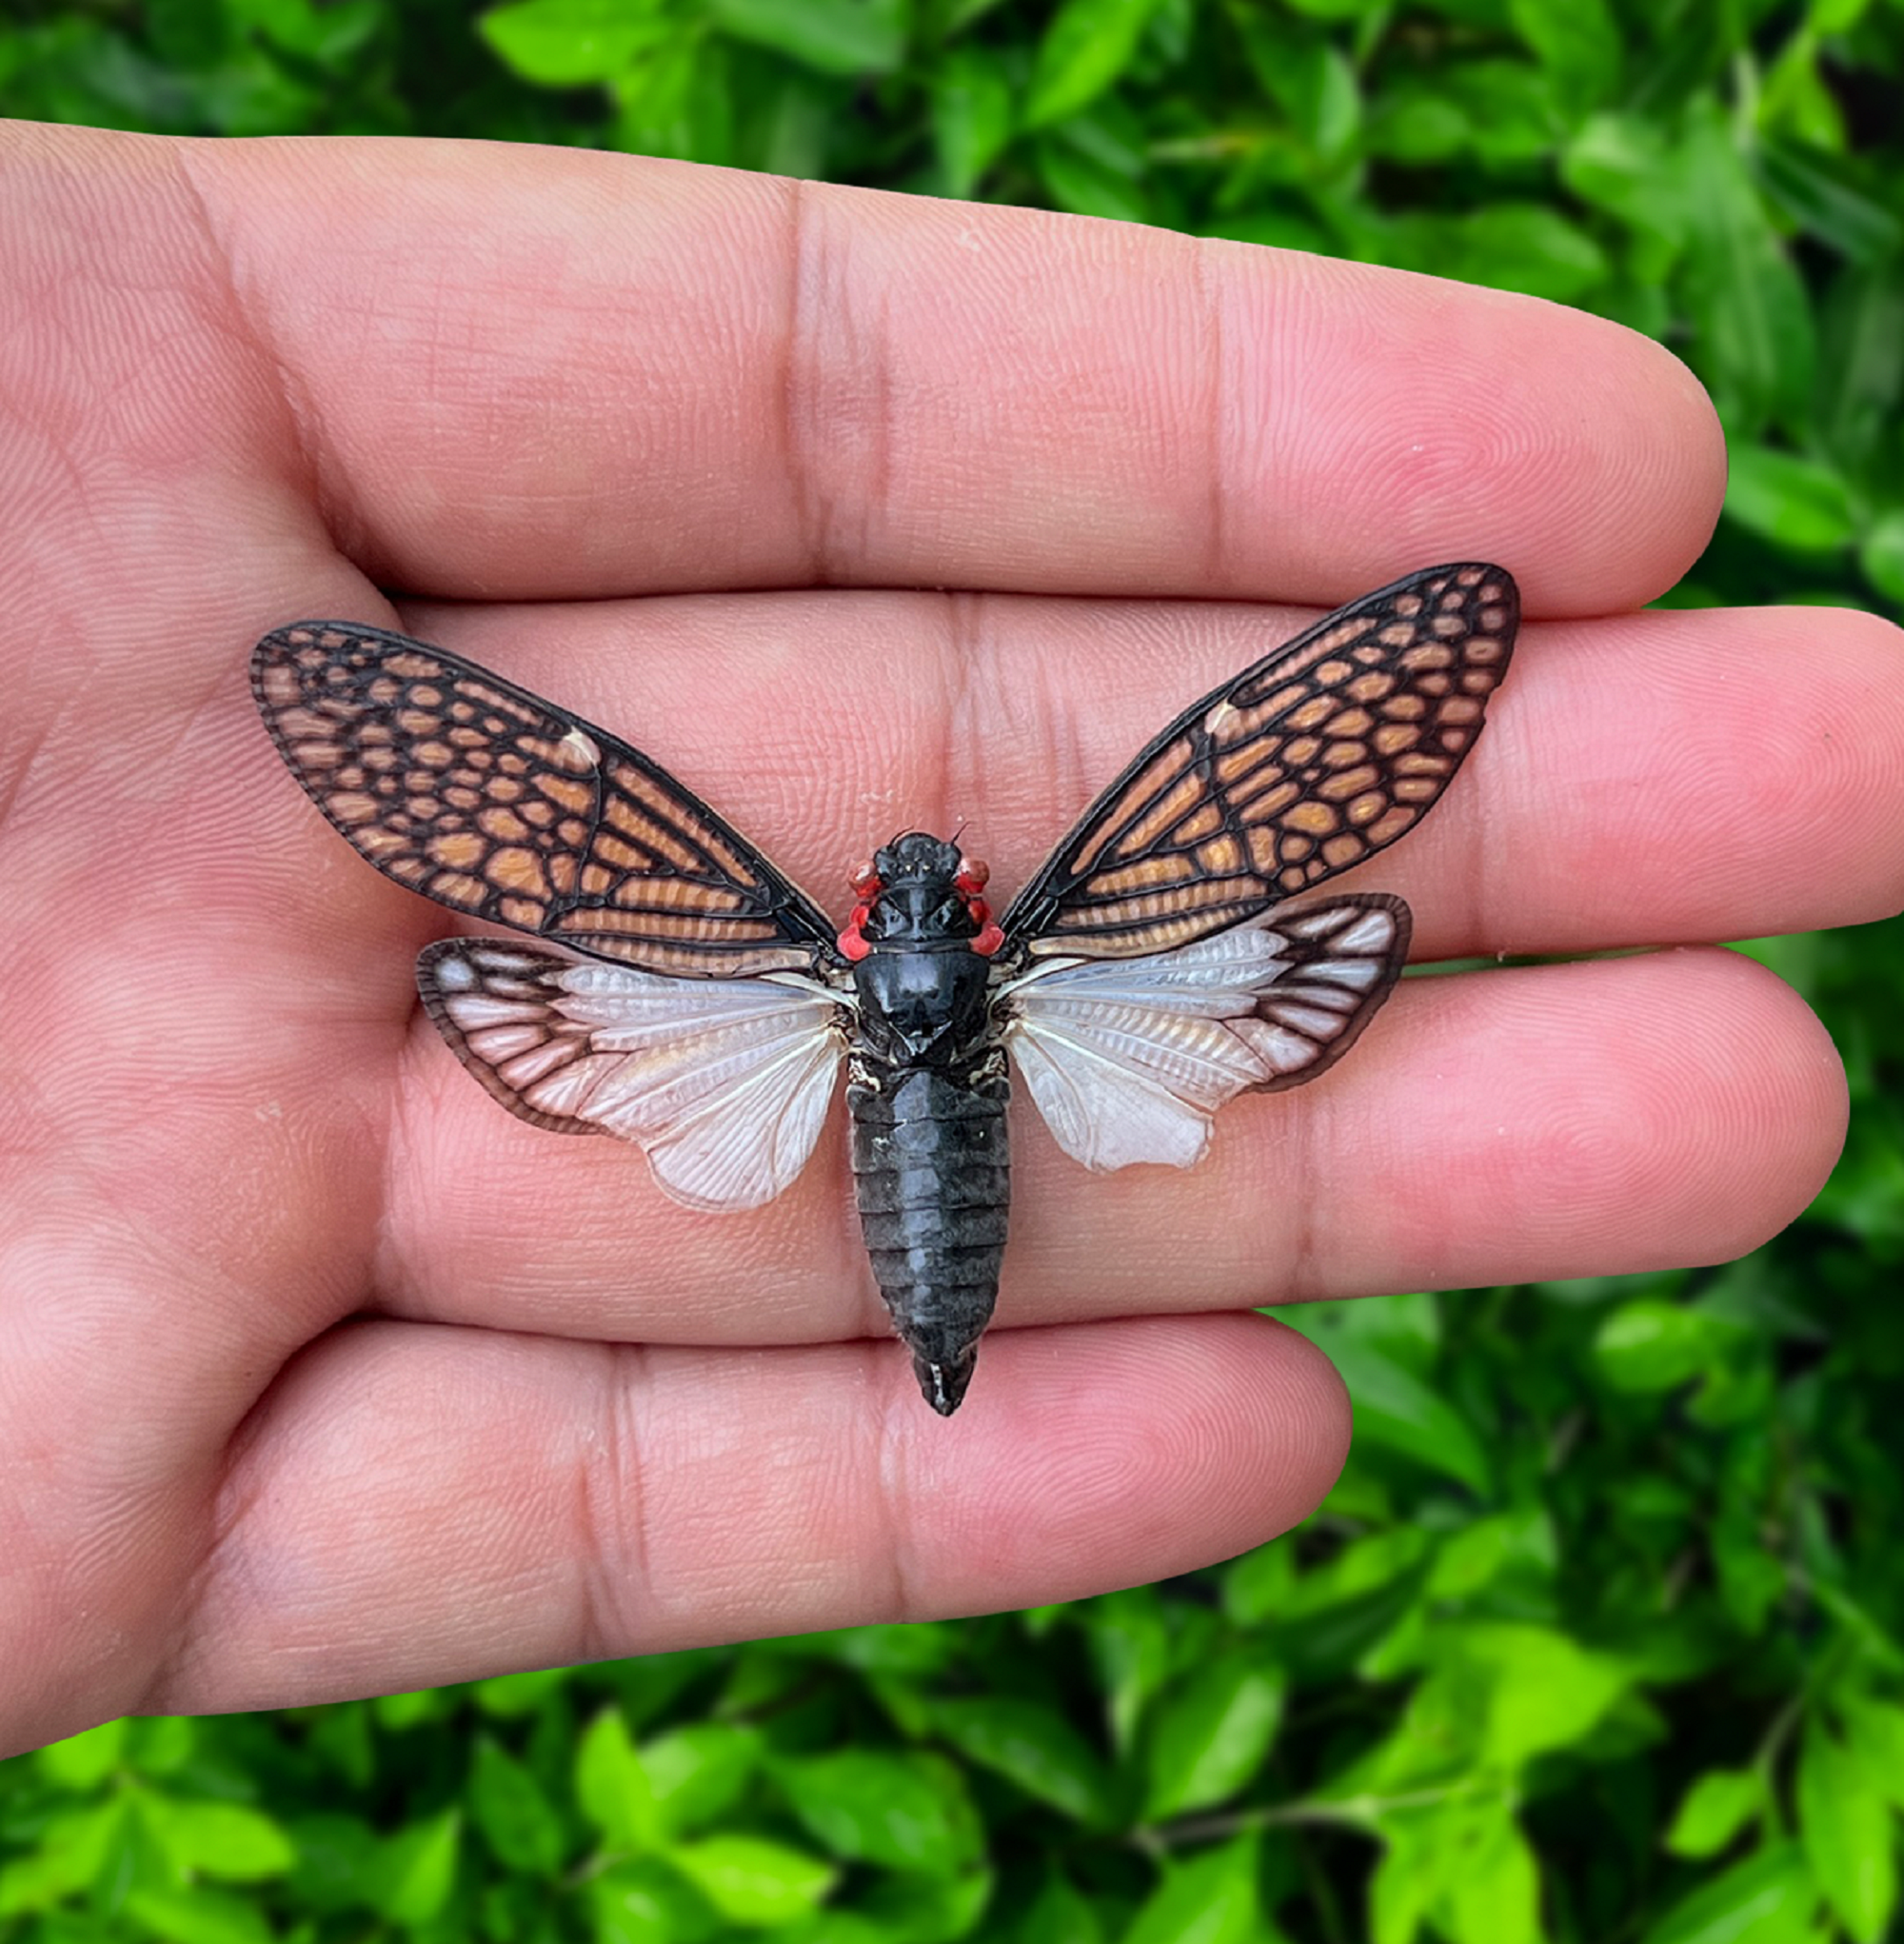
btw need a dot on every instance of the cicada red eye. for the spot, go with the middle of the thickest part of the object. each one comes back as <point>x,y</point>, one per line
<point>866,880</point>
<point>973,873</point>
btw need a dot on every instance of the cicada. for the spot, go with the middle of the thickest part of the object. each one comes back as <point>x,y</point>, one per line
<point>682,993</point>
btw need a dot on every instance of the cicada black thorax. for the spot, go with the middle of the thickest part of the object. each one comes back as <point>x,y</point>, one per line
<point>926,1088</point>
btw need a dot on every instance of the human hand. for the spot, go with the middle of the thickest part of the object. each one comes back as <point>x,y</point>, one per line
<point>322,1376</point>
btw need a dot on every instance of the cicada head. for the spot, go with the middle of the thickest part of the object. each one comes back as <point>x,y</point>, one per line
<point>920,892</point>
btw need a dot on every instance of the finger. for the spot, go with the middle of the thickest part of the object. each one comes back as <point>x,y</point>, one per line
<point>1494,1127</point>
<point>539,373</point>
<point>421,1505</point>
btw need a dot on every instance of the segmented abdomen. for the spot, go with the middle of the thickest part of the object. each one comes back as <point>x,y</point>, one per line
<point>932,1174</point>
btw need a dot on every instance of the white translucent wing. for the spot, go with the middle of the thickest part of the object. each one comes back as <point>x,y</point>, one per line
<point>1128,1058</point>
<point>724,1082</point>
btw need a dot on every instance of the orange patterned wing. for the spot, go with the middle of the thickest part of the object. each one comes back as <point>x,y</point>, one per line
<point>484,797</point>
<point>1299,768</point>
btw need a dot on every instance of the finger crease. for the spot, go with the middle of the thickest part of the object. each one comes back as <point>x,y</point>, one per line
<point>1215,541</point>
<point>612,1513</point>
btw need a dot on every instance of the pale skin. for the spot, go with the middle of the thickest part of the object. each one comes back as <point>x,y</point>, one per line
<point>321,1376</point>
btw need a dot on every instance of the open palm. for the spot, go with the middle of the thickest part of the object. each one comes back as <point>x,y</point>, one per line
<point>321,1374</point>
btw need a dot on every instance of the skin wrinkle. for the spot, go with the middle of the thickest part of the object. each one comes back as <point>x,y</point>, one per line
<point>1314,1133</point>
<point>803,435</point>
<point>617,1563</point>
<point>233,1502</point>
<point>792,444</point>
<point>881,512</point>
<point>246,326</point>
<point>396,1149</point>
<point>1221,463</point>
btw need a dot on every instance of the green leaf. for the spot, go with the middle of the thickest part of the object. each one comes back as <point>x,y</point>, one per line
<point>1794,503</point>
<point>1514,116</point>
<point>1874,1733</point>
<point>612,1787</point>
<point>1210,1737</point>
<point>1463,1862</point>
<point>187,34</point>
<point>337,1863</point>
<point>1751,1579</point>
<point>1088,45</point>
<point>1524,247</point>
<point>192,1915</point>
<point>1746,300</point>
<point>1492,1895</point>
<point>1716,1807</point>
<point>1795,100</point>
<point>1058,1915</point>
<point>1823,197</point>
<point>1084,187</point>
<point>218,1838</point>
<point>1861,364</point>
<point>1649,1346</point>
<point>1845,1823</point>
<point>1548,1690</point>
<point>328,35</point>
<point>1767,1899</point>
<point>1324,101</point>
<point>511,1809</point>
<point>74,1852</point>
<point>1394,1408</point>
<point>835,36</point>
<point>913,1909</point>
<point>1259,1585</point>
<point>645,1901</point>
<point>753,1881</point>
<point>1579,44</point>
<point>917,1647</point>
<point>512,1696</point>
<point>340,1737</point>
<point>678,101</point>
<point>1510,1692</point>
<point>903,1811</point>
<point>971,116</point>
<point>1418,124</point>
<point>1324,1642</point>
<point>415,1870</point>
<point>1622,163</point>
<point>697,1772</point>
<point>1880,555</point>
<point>1109,136</point>
<point>1473,1557</point>
<point>570,42</point>
<point>411,1710</point>
<point>1129,1643</point>
<point>1210,1899</point>
<point>83,1760</point>
<point>1032,1745</point>
<point>162,1744</point>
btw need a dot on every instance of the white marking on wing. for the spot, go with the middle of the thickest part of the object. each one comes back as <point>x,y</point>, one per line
<point>724,1083</point>
<point>1129,1059</point>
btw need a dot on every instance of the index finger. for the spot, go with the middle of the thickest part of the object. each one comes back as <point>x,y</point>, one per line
<point>537,374</point>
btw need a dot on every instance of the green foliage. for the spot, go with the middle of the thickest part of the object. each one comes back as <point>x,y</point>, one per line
<point>1601,1636</point>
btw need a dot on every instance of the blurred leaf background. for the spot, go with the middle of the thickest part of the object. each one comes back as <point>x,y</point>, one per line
<point>1602,1636</point>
